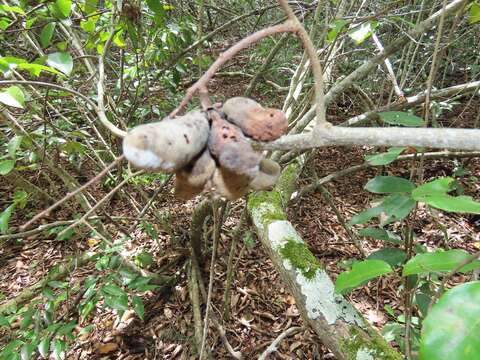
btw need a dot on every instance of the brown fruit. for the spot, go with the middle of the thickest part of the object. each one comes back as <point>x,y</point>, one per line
<point>232,150</point>
<point>168,145</point>
<point>267,177</point>
<point>264,124</point>
<point>190,181</point>
<point>229,184</point>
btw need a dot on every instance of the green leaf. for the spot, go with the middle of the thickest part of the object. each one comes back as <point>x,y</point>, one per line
<point>452,330</point>
<point>65,7</point>
<point>6,166</point>
<point>459,204</point>
<point>389,185</point>
<point>13,145</point>
<point>385,158</point>
<point>117,302</point>
<point>335,29</point>
<point>401,118</point>
<point>138,306</point>
<point>4,321</point>
<point>362,32</point>
<point>144,259</point>
<point>157,7</point>
<point>15,9</point>
<point>474,13</point>
<point>67,328</point>
<point>90,6</point>
<point>435,187</point>
<point>5,218</point>
<point>44,346</point>
<point>58,346</point>
<point>397,207</point>
<point>381,234</point>
<point>89,24</point>
<point>26,351</point>
<point>113,289</point>
<point>58,284</point>
<point>46,34</point>
<point>36,69</point>
<point>361,273</point>
<point>441,261</point>
<point>365,215</point>
<point>61,61</point>
<point>392,256</point>
<point>13,96</point>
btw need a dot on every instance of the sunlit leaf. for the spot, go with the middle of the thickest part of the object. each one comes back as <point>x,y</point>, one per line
<point>13,96</point>
<point>474,13</point>
<point>44,346</point>
<point>6,166</point>
<point>452,330</point>
<point>440,261</point>
<point>361,273</point>
<point>65,7</point>
<point>362,32</point>
<point>15,9</point>
<point>14,145</point>
<point>335,29</point>
<point>61,61</point>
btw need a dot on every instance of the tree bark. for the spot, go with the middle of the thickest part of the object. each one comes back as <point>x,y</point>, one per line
<point>338,324</point>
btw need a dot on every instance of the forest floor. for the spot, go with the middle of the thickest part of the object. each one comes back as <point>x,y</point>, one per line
<point>261,307</point>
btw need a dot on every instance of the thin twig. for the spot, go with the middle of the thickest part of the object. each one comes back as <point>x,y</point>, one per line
<point>71,194</point>
<point>226,56</point>
<point>273,346</point>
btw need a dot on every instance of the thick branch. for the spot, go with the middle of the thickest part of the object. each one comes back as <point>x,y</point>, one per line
<point>461,139</point>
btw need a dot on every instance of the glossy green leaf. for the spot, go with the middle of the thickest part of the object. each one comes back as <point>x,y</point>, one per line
<point>46,34</point>
<point>389,185</point>
<point>396,207</point>
<point>442,261</point>
<point>117,302</point>
<point>44,346</point>
<point>14,145</point>
<point>385,158</point>
<point>392,256</point>
<point>452,328</point>
<point>138,306</point>
<point>401,118</point>
<point>458,204</point>
<point>474,13</point>
<point>5,218</point>
<point>61,61</point>
<point>361,273</point>
<point>13,96</point>
<point>362,32</point>
<point>438,186</point>
<point>381,234</point>
<point>65,7</point>
<point>144,259</point>
<point>6,166</point>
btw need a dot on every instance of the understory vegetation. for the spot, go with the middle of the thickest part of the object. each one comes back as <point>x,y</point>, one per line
<point>368,245</point>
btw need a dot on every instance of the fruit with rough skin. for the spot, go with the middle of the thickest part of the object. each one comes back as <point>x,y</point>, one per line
<point>167,145</point>
<point>232,150</point>
<point>257,122</point>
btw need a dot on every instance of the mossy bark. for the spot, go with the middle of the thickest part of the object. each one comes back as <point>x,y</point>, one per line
<point>338,324</point>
